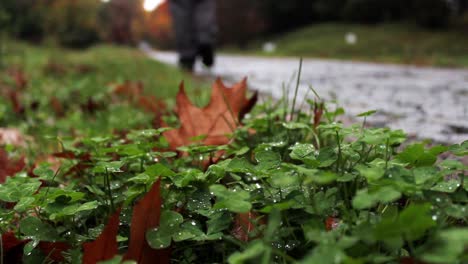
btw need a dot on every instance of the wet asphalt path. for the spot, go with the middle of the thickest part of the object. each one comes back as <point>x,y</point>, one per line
<point>425,102</point>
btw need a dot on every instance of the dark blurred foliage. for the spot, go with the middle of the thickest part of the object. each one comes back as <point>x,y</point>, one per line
<point>240,21</point>
<point>122,21</point>
<point>328,10</point>
<point>73,23</point>
<point>80,23</point>
<point>24,18</point>
<point>437,13</point>
<point>284,15</point>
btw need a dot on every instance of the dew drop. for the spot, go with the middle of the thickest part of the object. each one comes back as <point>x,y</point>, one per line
<point>193,223</point>
<point>434,217</point>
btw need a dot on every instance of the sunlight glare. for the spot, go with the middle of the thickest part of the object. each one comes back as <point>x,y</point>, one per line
<point>150,5</point>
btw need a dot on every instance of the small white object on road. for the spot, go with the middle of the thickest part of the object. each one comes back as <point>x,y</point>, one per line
<point>269,47</point>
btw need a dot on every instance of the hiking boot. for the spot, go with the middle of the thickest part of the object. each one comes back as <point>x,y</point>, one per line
<point>206,51</point>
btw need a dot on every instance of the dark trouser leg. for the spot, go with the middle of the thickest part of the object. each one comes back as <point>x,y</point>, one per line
<point>182,16</point>
<point>206,29</point>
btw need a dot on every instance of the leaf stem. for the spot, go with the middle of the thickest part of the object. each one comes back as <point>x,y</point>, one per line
<point>109,191</point>
<point>338,162</point>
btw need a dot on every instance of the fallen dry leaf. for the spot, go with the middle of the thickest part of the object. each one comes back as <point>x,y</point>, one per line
<point>216,120</point>
<point>134,93</point>
<point>57,106</point>
<point>105,247</point>
<point>14,97</point>
<point>146,215</point>
<point>332,223</point>
<point>54,163</point>
<point>130,90</point>
<point>54,250</point>
<point>12,136</point>
<point>19,77</point>
<point>245,224</point>
<point>12,248</point>
<point>9,167</point>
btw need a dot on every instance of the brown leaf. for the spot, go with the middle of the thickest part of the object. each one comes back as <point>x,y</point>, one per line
<point>57,106</point>
<point>12,136</point>
<point>91,106</point>
<point>54,163</point>
<point>151,104</point>
<point>105,247</point>
<point>129,90</point>
<point>245,224</point>
<point>65,155</point>
<point>9,167</point>
<point>133,92</point>
<point>12,248</point>
<point>146,215</point>
<point>84,68</point>
<point>18,108</point>
<point>318,113</point>
<point>332,223</point>
<point>19,77</point>
<point>54,250</point>
<point>84,162</point>
<point>216,120</point>
<point>410,260</point>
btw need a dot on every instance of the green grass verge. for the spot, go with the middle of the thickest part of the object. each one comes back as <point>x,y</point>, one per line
<point>74,78</point>
<point>388,43</point>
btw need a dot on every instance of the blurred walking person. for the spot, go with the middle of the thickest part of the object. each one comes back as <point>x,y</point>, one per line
<point>195,30</point>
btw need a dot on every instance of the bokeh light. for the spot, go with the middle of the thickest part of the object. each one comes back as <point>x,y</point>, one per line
<point>150,5</point>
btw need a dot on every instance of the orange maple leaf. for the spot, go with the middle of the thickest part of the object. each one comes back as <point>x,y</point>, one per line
<point>216,120</point>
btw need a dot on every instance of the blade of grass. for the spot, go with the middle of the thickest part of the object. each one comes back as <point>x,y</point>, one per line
<point>297,88</point>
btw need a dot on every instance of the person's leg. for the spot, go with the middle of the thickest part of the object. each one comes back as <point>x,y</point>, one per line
<point>182,16</point>
<point>206,29</point>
